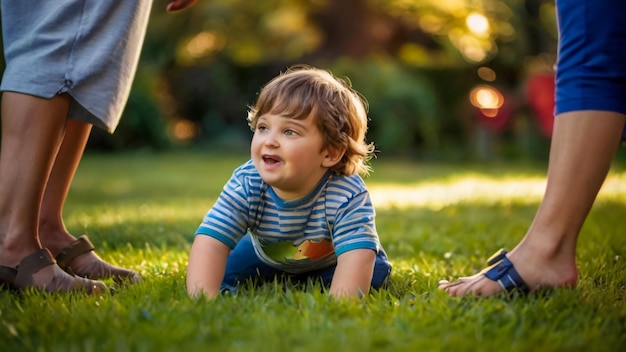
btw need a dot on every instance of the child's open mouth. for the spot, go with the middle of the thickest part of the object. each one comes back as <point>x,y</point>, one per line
<point>268,159</point>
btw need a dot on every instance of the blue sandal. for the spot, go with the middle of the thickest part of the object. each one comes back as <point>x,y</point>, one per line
<point>503,272</point>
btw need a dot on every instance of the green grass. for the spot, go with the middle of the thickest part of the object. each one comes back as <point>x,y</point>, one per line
<point>435,221</point>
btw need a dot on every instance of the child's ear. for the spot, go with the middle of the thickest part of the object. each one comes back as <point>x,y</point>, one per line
<point>332,156</point>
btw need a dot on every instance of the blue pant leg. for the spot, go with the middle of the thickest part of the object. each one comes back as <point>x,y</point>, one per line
<point>243,264</point>
<point>380,277</point>
<point>382,270</point>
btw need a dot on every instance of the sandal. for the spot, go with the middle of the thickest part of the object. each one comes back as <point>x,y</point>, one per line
<point>503,272</point>
<point>7,278</point>
<point>61,281</point>
<point>97,268</point>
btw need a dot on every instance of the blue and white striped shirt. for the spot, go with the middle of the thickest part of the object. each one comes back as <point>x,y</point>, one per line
<point>294,236</point>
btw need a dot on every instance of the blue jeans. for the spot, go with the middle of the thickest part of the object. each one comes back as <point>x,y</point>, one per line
<point>244,264</point>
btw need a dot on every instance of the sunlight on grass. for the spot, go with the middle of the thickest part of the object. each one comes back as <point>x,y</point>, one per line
<point>155,212</point>
<point>435,221</point>
<point>477,190</point>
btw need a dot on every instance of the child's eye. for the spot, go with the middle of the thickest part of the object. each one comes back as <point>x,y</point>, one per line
<point>261,127</point>
<point>290,133</point>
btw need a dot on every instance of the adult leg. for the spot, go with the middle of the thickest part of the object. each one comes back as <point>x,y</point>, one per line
<point>583,146</point>
<point>52,231</point>
<point>32,131</point>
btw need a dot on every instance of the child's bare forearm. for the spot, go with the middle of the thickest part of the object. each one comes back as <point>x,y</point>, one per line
<point>207,263</point>
<point>353,275</point>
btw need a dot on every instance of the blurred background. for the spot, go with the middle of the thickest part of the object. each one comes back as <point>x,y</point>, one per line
<point>445,79</point>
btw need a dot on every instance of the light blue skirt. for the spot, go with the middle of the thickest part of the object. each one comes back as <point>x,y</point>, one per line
<point>86,48</point>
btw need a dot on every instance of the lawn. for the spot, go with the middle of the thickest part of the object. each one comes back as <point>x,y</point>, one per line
<point>435,220</point>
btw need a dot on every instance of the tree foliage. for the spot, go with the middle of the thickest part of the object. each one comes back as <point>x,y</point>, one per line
<point>211,60</point>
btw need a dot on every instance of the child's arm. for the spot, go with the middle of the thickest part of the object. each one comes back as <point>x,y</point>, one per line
<point>207,264</point>
<point>353,275</point>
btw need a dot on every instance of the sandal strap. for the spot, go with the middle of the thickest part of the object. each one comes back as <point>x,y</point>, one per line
<point>7,278</point>
<point>495,258</point>
<point>504,273</point>
<point>31,264</point>
<point>79,247</point>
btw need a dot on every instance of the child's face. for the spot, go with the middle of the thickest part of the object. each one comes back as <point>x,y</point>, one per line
<point>288,154</point>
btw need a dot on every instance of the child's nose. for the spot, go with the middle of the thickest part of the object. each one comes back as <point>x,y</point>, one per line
<point>271,139</point>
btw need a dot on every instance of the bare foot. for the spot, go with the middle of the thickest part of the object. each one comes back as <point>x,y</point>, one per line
<point>536,272</point>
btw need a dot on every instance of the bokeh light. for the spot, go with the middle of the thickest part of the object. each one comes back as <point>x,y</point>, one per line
<point>182,130</point>
<point>203,44</point>
<point>486,74</point>
<point>486,97</point>
<point>477,24</point>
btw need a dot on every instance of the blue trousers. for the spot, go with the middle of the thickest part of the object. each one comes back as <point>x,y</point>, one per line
<point>590,73</point>
<point>243,264</point>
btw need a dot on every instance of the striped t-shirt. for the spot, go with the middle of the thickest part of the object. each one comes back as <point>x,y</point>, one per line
<point>294,236</point>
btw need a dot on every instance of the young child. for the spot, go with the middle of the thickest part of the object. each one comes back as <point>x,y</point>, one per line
<point>298,208</point>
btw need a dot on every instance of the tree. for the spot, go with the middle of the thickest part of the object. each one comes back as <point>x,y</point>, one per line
<point>220,53</point>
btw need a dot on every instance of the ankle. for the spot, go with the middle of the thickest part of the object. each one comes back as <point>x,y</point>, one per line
<point>545,264</point>
<point>550,245</point>
<point>55,239</point>
<point>12,252</point>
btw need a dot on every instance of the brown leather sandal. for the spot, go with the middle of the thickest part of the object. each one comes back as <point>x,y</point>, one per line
<point>96,268</point>
<point>7,278</point>
<point>60,281</point>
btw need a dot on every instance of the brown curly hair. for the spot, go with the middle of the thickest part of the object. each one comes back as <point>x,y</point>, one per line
<point>340,112</point>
